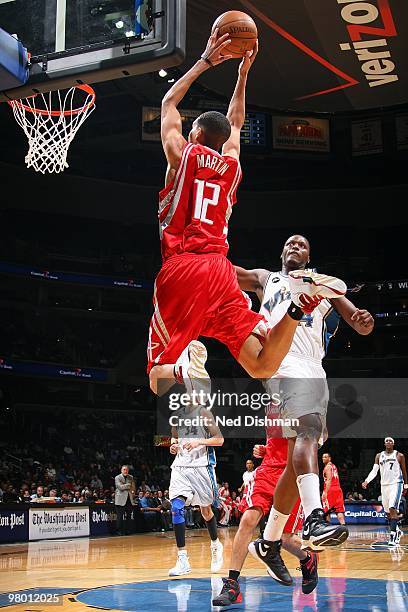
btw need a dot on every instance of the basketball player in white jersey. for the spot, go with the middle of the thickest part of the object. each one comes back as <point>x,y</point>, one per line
<point>393,473</point>
<point>193,481</point>
<point>248,475</point>
<point>302,384</point>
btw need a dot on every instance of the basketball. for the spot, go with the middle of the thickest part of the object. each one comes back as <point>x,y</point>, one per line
<point>241,29</point>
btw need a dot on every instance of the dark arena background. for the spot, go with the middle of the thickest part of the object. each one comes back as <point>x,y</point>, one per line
<point>324,155</point>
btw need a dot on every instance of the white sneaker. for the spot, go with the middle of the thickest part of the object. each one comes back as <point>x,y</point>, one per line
<point>190,370</point>
<point>308,288</point>
<point>392,541</point>
<point>398,535</point>
<point>182,566</point>
<point>217,558</point>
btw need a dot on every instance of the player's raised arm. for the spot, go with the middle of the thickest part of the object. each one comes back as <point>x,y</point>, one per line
<point>236,110</point>
<point>171,129</point>
<point>360,320</point>
<point>251,280</point>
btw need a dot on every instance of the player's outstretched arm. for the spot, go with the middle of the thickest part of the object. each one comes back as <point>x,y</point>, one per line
<point>373,472</point>
<point>171,128</point>
<point>360,320</point>
<point>236,110</point>
<point>251,280</point>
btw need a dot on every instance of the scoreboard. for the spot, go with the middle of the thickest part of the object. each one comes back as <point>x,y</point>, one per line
<point>253,133</point>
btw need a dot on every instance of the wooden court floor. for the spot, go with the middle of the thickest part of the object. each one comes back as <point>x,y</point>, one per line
<point>130,573</point>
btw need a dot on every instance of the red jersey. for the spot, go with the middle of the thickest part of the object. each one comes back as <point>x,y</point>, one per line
<point>276,450</point>
<point>195,207</point>
<point>331,470</point>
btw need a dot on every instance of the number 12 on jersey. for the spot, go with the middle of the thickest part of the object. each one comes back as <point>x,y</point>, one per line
<point>206,194</point>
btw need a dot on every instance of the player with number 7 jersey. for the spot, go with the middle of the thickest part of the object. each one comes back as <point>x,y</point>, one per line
<point>196,291</point>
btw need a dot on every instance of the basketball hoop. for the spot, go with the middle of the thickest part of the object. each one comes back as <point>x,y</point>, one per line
<point>50,122</point>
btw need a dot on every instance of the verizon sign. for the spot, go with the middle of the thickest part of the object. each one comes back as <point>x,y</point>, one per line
<point>369,25</point>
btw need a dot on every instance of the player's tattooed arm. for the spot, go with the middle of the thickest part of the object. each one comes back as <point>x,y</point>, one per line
<point>172,137</point>
<point>216,438</point>
<point>252,280</point>
<point>360,320</point>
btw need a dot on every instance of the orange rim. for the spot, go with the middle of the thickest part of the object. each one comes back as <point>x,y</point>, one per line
<point>39,111</point>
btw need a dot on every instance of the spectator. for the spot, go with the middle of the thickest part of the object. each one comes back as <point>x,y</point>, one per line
<point>96,482</point>
<point>124,499</point>
<point>165,510</point>
<point>149,511</point>
<point>38,495</point>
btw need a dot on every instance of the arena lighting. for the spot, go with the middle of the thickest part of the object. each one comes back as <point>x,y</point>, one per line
<point>162,73</point>
<point>119,24</point>
<point>171,80</point>
<point>129,33</point>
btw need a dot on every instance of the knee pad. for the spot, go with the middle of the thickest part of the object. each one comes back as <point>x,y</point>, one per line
<point>177,511</point>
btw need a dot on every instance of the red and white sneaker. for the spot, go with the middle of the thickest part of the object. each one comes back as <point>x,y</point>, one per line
<point>190,371</point>
<point>309,288</point>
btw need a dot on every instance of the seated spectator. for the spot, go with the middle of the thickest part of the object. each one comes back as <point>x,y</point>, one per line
<point>150,511</point>
<point>165,510</point>
<point>38,495</point>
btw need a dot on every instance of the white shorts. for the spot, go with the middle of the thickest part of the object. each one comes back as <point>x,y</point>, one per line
<point>302,386</point>
<point>197,484</point>
<point>391,495</point>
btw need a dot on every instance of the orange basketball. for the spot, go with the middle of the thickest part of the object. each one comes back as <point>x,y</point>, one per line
<point>241,29</point>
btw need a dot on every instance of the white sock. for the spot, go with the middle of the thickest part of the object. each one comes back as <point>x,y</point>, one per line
<point>275,525</point>
<point>215,543</point>
<point>309,491</point>
<point>182,551</point>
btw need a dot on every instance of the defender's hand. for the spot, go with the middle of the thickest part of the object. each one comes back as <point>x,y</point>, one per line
<point>215,49</point>
<point>364,484</point>
<point>174,449</point>
<point>363,318</point>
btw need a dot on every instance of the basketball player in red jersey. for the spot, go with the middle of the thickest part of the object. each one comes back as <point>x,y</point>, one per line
<point>332,494</point>
<point>256,503</point>
<point>196,291</point>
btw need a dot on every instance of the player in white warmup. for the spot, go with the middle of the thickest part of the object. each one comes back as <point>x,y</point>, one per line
<point>193,481</point>
<point>301,381</point>
<point>393,473</point>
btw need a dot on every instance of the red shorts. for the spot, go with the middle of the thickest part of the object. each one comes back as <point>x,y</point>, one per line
<point>335,500</point>
<point>197,295</point>
<point>259,492</point>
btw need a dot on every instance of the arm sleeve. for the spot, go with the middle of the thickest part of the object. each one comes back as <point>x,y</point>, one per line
<point>373,473</point>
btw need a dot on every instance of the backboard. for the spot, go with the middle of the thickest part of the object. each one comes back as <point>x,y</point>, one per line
<point>86,41</point>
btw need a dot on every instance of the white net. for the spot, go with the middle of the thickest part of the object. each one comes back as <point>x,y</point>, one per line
<point>50,122</point>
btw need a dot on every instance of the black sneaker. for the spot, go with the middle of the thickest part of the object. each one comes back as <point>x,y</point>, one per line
<point>230,593</point>
<point>269,554</point>
<point>318,535</point>
<point>310,577</point>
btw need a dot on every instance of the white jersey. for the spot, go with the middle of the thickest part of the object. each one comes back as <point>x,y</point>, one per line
<point>314,330</point>
<point>247,477</point>
<point>197,457</point>
<point>390,468</point>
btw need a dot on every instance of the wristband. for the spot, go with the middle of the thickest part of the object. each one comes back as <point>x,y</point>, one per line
<point>295,312</point>
<point>207,61</point>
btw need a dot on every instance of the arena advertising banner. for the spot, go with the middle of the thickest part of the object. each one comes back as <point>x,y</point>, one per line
<point>325,55</point>
<point>366,137</point>
<point>53,523</point>
<point>359,514</point>
<point>102,520</point>
<point>13,525</point>
<point>301,134</point>
<point>31,368</point>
